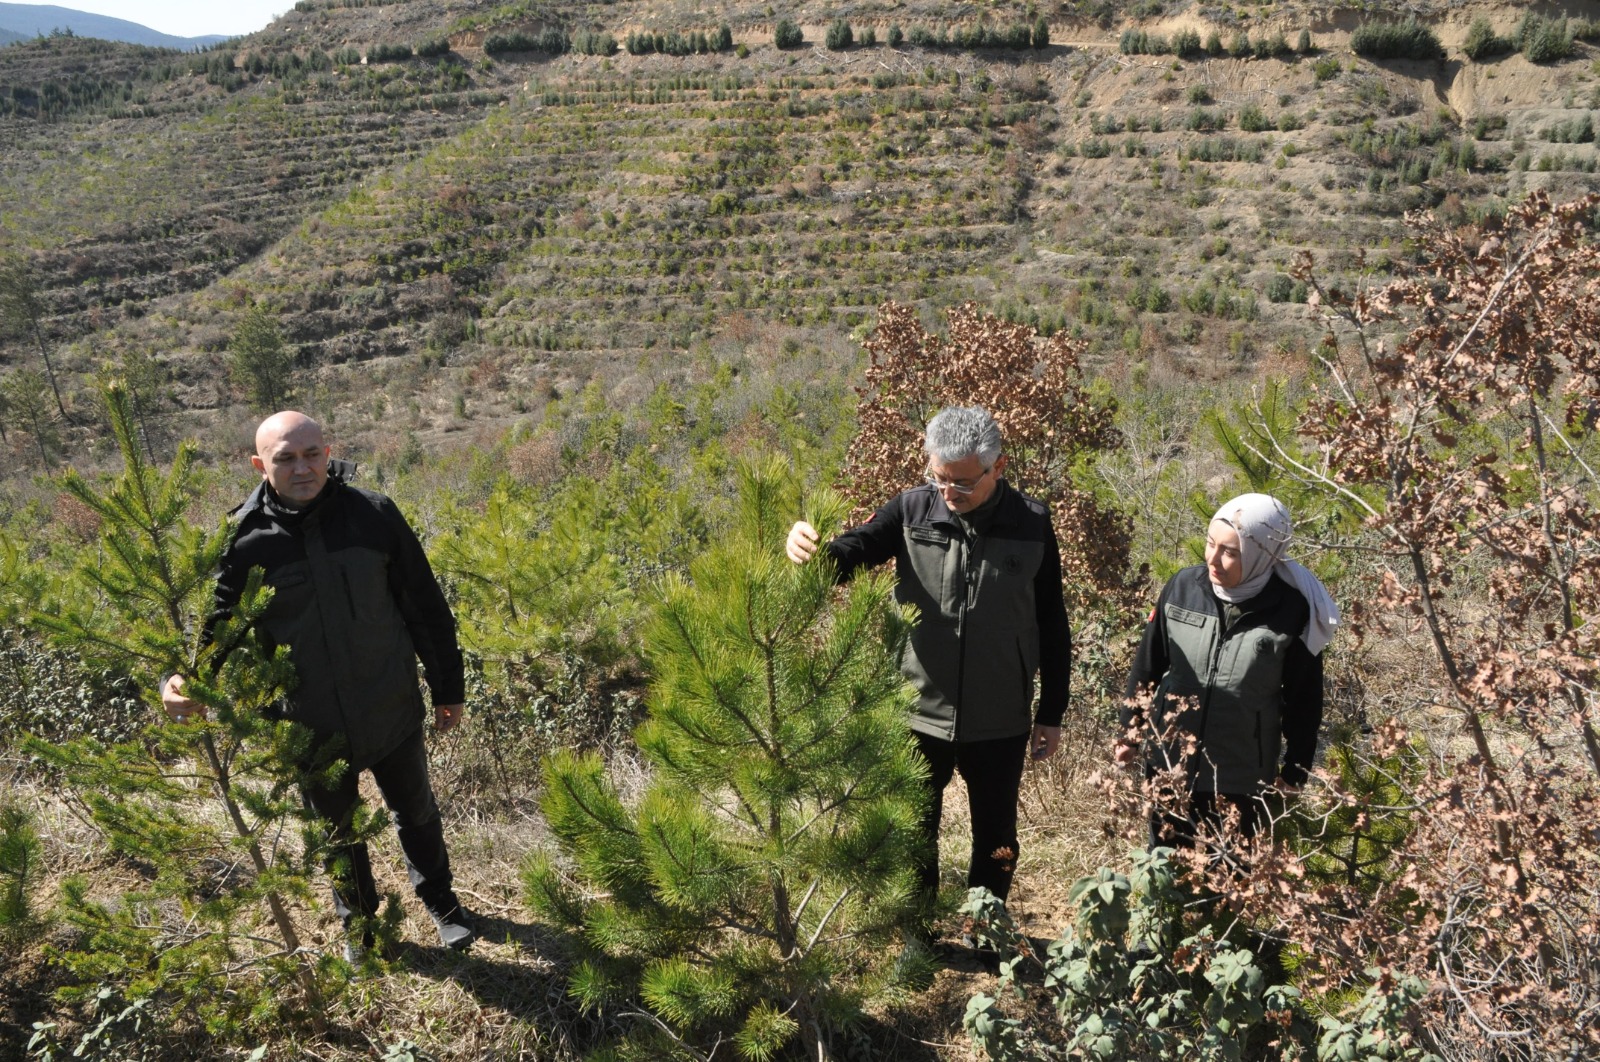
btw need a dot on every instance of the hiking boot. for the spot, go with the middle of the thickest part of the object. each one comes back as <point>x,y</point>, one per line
<point>457,927</point>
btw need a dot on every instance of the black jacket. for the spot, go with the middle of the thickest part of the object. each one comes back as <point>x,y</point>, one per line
<point>990,611</point>
<point>357,604</point>
<point>1245,689</point>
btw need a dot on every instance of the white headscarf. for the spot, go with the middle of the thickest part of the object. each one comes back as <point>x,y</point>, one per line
<point>1264,532</point>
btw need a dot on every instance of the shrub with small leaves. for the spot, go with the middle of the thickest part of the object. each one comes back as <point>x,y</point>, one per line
<point>1543,40</point>
<point>1396,40</point>
<point>786,34</point>
<point>839,36</point>
<point>1482,41</point>
<point>1125,986</point>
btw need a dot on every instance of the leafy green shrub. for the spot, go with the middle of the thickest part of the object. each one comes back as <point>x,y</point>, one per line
<point>1150,297</point>
<point>1543,40</point>
<point>1482,41</point>
<point>1041,33</point>
<point>1252,120</point>
<point>869,37</point>
<point>896,35</point>
<point>1186,44</point>
<point>1274,47</point>
<point>594,42</point>
<point>53,693</point>
<point>433,47</point>
<point>753,891</point>
<point>1214,46</point>
<point>1198,94</point>
<point>1241,47</point>
<point>839,36</point>
<point>1142,42</point>
<point>1579,130</point>
<point>786,34</point>
<point>1396,40</point>
<point>388,53</point>
<point>1125,987</point>
<point>1326,68</point>
<point>724,38</point>
<point>551,40</point>
<point>347,57</point>
<point>1303,45</point>
<point>1280,287</point>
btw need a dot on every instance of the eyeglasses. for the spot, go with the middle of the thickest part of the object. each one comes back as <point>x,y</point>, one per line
<point>956,485</point>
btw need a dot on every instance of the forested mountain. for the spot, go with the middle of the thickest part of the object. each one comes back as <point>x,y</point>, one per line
<point>431,192</point>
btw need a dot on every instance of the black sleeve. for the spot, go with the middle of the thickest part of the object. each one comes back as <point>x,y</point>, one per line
<point>1302,711</point>
<point>1055,636</point>
<point>232,575</point>
<point>427,614</point>
<point>873,543</point>
<point>1150,663</point>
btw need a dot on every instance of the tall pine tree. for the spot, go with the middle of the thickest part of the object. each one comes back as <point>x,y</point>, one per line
<point>752,891</point>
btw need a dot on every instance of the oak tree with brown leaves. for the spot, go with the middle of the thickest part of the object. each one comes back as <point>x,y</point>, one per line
<point>1051,425</point>
<point>1466,444</point>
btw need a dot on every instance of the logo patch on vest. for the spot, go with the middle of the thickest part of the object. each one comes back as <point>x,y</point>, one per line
<point>1013,564</point>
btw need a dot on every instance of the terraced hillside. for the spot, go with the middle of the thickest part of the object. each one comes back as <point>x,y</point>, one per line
<point>539,220</point>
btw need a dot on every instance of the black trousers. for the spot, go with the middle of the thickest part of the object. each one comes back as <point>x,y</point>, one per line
<point>993,773</point>
<point>402,778</point>
<point>1206,811</point>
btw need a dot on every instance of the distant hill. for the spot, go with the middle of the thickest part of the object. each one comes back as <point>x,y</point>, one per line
<point>20,22</point>
<point>430,206</point>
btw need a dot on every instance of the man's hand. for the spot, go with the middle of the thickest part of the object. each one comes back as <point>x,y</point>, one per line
<point>1045,741</point>
<point>448,716</point>
<point>178,707</point>
<point>1124,752</point>
<point>802,542</point>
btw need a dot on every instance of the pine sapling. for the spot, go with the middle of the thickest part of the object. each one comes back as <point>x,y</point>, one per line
<point>753,891</point>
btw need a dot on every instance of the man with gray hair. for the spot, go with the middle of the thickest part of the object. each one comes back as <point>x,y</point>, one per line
<point>980,562</point>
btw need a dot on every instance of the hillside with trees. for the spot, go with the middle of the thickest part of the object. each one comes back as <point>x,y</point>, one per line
<point>599,292</point>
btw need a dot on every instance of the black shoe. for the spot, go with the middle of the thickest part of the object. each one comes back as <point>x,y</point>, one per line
<point>986,955</point>
<point>457,927</point>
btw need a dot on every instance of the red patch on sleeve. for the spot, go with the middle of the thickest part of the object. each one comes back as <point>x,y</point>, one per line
<point>1152,617</point>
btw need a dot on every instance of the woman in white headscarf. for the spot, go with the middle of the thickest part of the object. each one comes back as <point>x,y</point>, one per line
<point>1227,683</point>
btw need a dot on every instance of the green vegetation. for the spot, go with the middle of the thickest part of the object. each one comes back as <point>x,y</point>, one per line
<point>259,362</point>
<point>752,893</point>
<point>1482,42</point>
<point>1543,40</point>
<point>787,34</point>
<point>1396,40</point>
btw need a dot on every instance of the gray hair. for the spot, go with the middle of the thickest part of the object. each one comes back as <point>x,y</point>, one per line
<point>959,432</point>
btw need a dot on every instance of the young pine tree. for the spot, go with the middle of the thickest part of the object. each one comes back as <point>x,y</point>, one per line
<point>753,891</point>
<point>196,805</point>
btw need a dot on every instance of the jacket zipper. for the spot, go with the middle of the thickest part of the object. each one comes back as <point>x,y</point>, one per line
<point>961,643</point>
<point>1216,662</point>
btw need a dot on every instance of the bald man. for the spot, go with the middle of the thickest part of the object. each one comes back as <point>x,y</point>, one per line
<point>356,603</point>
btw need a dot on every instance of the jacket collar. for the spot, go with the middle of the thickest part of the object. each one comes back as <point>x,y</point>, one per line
<point>265,499</point>
<point>1005,509</point>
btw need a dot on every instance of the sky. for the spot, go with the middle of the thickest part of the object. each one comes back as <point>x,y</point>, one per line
<point>185,18</point>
